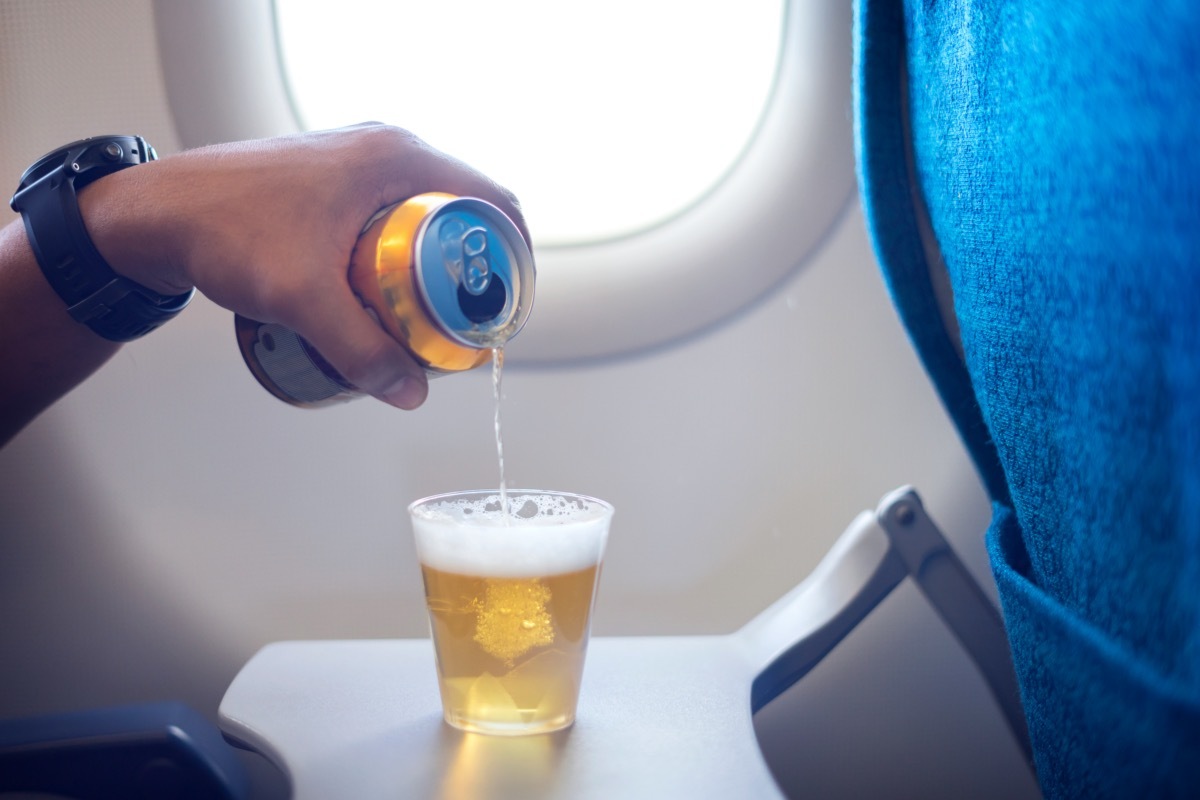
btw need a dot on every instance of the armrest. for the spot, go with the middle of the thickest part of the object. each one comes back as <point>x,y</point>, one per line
<point>958,600</point>
<point>875,553</point>
<point>798,630</point>
<point>153,750</point>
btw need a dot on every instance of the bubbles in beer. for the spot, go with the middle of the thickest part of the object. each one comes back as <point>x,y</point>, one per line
<point>527,506</point>
<point>511,619</point>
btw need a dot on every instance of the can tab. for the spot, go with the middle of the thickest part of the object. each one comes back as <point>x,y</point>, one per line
<point>465,255</point>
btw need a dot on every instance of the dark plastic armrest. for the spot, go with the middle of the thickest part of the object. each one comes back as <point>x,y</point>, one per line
<point>155,750</point>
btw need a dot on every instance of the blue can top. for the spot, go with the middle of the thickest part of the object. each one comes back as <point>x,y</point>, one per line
<point>475,272</point>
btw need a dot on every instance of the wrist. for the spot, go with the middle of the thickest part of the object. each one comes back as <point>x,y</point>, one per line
<point>113,305</point>
<point>126,216</point>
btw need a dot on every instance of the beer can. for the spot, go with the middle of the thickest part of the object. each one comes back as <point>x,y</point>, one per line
<point>450,278</point>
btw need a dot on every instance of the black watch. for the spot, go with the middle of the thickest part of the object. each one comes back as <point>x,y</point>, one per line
<point>111,305</point>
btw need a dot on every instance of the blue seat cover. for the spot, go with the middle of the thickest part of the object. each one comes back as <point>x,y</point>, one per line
<point>1055,147</point>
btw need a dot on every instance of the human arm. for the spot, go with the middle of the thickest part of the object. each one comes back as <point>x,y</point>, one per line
<point>264,228</point>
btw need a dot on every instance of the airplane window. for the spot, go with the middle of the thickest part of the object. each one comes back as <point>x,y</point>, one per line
<point>677,161</point>
<point>605,118</point>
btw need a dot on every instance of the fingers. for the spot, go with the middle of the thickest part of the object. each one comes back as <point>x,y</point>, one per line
<point>356,346</point>
<point>405,165</point>
<point>267,229</point>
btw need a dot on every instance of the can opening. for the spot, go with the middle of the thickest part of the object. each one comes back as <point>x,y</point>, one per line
<point>485,306</point>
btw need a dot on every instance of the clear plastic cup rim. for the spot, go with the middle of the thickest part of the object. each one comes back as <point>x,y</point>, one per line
<point>416,506</point>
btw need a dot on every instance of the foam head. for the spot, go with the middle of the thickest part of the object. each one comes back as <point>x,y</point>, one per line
<point>544,533</point>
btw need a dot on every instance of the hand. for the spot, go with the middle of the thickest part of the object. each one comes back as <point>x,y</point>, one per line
<point>266,228</point>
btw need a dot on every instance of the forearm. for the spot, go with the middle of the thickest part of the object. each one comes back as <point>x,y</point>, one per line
<point>43,352</point>
<point>264,228</point>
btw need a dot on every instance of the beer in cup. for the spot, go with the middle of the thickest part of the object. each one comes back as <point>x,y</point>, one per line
<point>510,598</point>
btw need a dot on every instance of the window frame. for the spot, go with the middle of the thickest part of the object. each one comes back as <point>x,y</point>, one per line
<point>606,299</point>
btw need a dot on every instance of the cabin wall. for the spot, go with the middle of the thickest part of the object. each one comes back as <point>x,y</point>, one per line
<point>169,517</point>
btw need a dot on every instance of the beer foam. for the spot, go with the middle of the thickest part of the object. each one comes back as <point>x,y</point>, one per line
<point>544,534</point>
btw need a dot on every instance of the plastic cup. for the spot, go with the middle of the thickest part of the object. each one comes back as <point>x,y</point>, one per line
<point>510,599</point>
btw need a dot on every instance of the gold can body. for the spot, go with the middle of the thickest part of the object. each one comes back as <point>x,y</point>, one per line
<point>448,277</point>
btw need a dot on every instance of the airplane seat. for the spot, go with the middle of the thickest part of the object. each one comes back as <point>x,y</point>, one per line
<point>1047,159</point>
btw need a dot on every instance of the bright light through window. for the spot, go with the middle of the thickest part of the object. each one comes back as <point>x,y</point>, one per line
<point>603,117</point>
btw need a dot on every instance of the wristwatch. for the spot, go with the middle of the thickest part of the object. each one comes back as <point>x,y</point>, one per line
<point>111,305</point>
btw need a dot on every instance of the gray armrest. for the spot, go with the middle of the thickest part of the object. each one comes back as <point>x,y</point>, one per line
<point>870,559</point>
<point>958,600</point>
<point>797,631</point>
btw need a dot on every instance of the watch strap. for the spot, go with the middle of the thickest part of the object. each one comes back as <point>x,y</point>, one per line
<point>113,306</point>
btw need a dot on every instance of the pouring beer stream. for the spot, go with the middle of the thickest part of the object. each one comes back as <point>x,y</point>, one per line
<point>497,374</point>
<point>452,279</point>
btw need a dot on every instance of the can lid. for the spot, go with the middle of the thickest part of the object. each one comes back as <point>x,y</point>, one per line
<point>475,272</point>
